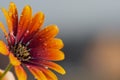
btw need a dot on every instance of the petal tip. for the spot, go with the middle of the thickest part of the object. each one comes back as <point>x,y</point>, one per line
<point>55,27</point>
<point>62,56</point>
<point>12,3</point>
<point>63,72</point>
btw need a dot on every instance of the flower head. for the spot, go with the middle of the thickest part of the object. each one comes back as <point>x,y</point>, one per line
<point>29,45</point>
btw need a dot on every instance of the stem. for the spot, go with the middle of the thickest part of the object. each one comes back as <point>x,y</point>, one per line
<point>6,70</point>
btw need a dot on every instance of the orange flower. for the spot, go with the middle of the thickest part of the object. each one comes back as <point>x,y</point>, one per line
<point>30,46</point>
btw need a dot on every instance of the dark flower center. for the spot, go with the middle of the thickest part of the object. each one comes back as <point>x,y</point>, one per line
<point>21,52</point>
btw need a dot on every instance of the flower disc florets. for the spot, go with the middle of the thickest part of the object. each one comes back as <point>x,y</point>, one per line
<point>21,52</point>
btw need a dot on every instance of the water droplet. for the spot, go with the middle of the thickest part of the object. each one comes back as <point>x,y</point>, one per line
<point>45,44</point>
<point>40,39</point>
<point>27,31</point>
<point>14,16</point>
<point>28,66</point>
<point>46,67</point>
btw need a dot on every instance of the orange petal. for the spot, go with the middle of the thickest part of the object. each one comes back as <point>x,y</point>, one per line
<point>3,29</point>
<point>14,61</point>
<point>46,34</point>
<point>54,43</point>
<point>14,16</point>
<point>54,54</point>
<point>37,73</point>
<point>21,74</point>
<point>54,66</point>
<point>37,22</point>
<point>3,48</point>
<point>48,54</point>
<point>49,32</point>
<point>25,19</point>
<point>8,20</point>
<point>49,74</point>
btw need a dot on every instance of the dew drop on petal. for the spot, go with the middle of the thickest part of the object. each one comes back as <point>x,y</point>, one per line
<point>28,66</point>
<point>14,16</point>
<point>45,44</point>
<point>27,31</point>
<point>46,67</point>
<point>40,39</point>
<point>19,30</point>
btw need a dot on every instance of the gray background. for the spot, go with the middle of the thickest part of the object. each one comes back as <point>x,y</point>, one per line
<point>78,20</point>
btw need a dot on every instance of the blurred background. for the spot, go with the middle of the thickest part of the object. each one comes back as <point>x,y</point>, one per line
<point>90,30</point>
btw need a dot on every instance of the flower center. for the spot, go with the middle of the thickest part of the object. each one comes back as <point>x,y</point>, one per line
<point>21,52</point>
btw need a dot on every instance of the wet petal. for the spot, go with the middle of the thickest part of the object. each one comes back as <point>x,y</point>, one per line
<point>21,74</point>
<point>37,73</point>
<point>35,25</point>
<point>14,16</point>
<point>49,32</point>
<point>37,22</point>
<point>44,35</point>
<point>13,60</point>
<point>3,48</point>
<point>8,20</point>
<point>49,74</point>
<point>48,54</point>
<point>53,66</point>
<point>53,43</point>
<point>25,19</point>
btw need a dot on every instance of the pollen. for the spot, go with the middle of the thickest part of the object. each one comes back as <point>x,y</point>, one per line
<point>21,52</point>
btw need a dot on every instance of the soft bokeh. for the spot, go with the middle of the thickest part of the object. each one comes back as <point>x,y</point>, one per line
<point>8,76</point>
<point>90,30</point>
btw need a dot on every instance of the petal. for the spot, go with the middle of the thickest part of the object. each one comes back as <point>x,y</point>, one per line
<point>3,48</point>
<point>21,74</point>
<point>49,32</point>
<point>8,20</point>
<point>46,34</point>
<point>3,29</point>
<point>37,22</point>
<point>53,43</point>
<point>14,16</point>
<point>25,19</point>
<point>37,73</point>
<point>48,54</point>
<point>14,61</point>
<point>53,66</point>
<point>49,74</point>
<point>35,25</point>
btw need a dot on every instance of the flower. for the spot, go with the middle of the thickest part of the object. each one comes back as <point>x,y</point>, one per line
<point>29,46</point>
